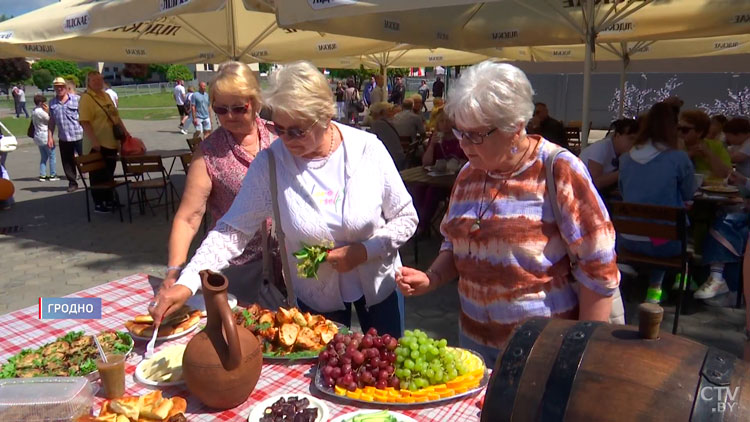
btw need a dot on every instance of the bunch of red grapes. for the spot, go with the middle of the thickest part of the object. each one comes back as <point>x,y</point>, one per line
<point>358,360</point>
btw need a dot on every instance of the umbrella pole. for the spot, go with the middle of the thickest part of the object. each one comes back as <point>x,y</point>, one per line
<point>590,39</point>
<point>623,74</point>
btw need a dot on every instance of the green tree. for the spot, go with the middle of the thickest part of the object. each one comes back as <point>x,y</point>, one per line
<point>42,78</point>
<point>14,70</point>
<point>161,69</point>
<point>138,71</point>
<point>359,75</point>
<point>56,67</point>
<point>179,71</point>
<point>73,78</point>
<point>83,73</point>
<point>4,17</point>
<point>264,67</point>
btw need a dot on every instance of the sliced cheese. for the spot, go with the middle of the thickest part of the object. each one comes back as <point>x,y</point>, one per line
<point>165,366</point>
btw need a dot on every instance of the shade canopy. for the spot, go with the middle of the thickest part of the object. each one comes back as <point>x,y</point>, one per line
<point>472,25</point>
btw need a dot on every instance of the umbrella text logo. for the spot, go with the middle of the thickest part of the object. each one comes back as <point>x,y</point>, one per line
<point>76,22</point>
<point>138,52</point>
<point>39,48</point>
<point>6,35</point>
<point>324,4</point>
<point>741,19</point>
<point>726,45</point>
<point>327,46</point>
<point>391,25</point>
<point>506,35</point>
<point>165,5</point>
<point>620,27</point>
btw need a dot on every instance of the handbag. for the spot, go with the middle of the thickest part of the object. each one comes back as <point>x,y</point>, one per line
<point>291,299</point>
<point>617,314</point>
<point>8,143</point>
<point>132,146</point>
<point>117,129</point>
<point>31,130</point>
<point>356,102</point>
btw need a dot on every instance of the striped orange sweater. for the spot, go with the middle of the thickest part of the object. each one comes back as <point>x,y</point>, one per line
<point>516,266</point>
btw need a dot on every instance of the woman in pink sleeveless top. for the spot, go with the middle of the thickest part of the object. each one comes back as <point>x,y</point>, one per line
<point>219,166</point>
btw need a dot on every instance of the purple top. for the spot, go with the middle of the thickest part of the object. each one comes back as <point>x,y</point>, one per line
<point>227,163</point>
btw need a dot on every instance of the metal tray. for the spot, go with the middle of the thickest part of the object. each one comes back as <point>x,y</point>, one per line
<point>318,382</point>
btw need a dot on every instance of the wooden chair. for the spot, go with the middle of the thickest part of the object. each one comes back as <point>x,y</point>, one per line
<point>193,143</point>
<point>149,174</point>
<point>573,135</point>
<point>668,223</point>
<point>94,162</point>
<point>186,159</point>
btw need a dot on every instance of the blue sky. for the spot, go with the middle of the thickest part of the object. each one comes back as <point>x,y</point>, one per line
<point>18,7</point>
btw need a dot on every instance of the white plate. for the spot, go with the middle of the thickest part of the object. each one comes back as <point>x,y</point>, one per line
<point>257,412</point>
<point>169,337</point>
<point>400,417</point>
<point>141,377</point>
<point>197,302</point>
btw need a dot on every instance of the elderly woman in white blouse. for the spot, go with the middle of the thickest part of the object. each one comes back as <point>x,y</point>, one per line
<point>336,185</point>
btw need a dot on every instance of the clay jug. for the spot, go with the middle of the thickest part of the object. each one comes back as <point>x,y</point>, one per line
<point>221,364</point>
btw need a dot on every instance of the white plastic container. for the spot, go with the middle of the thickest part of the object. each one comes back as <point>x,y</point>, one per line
<point>45,399</point>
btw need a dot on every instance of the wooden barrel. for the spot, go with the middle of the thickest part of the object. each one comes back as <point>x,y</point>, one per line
<point>562,370</point>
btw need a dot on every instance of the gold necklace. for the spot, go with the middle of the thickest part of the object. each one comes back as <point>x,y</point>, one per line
<point>328,156</point>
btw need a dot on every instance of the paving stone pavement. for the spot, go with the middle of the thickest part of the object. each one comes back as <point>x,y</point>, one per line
<point>57,252</point>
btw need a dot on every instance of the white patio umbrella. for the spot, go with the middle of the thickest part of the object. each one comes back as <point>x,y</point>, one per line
<point>139,31</point>
<point>473,25</point>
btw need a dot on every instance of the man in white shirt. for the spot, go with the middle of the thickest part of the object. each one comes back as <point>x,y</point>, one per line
<point>179,99</point>
<point>112,94</point>
<point>602,157</point>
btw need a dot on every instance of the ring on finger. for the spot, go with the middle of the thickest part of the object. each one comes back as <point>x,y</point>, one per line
<point>152,304</point>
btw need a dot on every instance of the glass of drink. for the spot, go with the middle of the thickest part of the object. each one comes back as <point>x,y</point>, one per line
<point>112,374</point>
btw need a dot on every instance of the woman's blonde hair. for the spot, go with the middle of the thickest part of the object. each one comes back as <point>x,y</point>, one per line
<point>88,77</point>
<point>300,90</point>
<point>379,110</point>
<point>236,78</point>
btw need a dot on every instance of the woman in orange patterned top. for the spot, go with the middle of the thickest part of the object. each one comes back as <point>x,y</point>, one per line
<point>501,237</point>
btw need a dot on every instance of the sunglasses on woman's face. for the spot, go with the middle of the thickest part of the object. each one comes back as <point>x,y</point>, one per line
<point>222,110</point>
<point>291,133</point>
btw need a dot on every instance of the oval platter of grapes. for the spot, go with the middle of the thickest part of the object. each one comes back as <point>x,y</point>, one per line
<point>412,370</point>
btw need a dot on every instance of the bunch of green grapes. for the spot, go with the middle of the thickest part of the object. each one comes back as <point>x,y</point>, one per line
<point>422,361</point>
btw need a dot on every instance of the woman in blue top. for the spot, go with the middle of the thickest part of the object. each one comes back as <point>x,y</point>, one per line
<point>656,172</point>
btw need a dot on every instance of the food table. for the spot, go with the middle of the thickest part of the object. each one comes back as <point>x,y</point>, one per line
<point>420,175</point>
<point>125,298</point>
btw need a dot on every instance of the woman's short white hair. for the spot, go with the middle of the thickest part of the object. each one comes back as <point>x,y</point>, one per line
<point>301,91</point>
<point>491,94</point>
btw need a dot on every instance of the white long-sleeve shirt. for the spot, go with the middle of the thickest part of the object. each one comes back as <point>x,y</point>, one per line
<point>377,211</point>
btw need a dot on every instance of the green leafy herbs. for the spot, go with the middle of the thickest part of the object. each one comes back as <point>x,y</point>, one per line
<point>309,259</point>
<point>71,336</point>
<point>249,320</point>
<point>87,367</point>
<point>74,362</point>
<point>264,326</point>
<point>8,370</point>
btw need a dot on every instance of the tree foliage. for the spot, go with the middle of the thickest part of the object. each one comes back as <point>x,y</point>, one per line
<point>56,67</point>
<point>264,67</point>
<point>359,75</point>
<point>42,78</point>
<point>160,69</point>
<point>138,71</point>
<point>737,105</point>
<point>73,78</point>
<point>179,72</point>
<point>83,73</point>
<point>638,101</point>
<point>14,70</point>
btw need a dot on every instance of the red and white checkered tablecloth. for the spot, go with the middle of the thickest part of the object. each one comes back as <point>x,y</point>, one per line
<point>125,298</point>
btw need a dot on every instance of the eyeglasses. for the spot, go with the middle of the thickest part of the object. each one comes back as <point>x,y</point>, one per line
<point>685,129</point>
<point>221,110</point>
<point>473,137</point>
<point>292,132</point>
